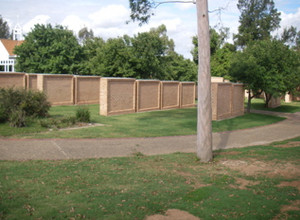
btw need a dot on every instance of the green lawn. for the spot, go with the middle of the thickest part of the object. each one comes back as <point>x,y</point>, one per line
<point>259,104</point>
<point>249,183</point>
<point>147,124</point>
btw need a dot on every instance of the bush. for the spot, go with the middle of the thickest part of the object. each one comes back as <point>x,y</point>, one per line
<point>57,123</point>
<point>17,104</point>
<point>17,118</point>
<point>83,114</point>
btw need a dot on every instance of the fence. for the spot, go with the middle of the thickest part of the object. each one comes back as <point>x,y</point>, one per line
<point>58,88</point>
<point>148,95</point>
<point>17,80</point>
<point>122,96</point>
<point>87,90</point>
<point>227,100</point>
<point>117,96</point>
<point>170,94</point>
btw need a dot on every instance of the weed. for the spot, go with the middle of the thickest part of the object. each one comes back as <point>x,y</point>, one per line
<point>83,114</point>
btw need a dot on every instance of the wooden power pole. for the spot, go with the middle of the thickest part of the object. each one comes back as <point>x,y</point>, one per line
<point>204,125</point>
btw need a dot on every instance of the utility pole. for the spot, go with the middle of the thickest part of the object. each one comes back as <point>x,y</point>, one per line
<point>204,125</point>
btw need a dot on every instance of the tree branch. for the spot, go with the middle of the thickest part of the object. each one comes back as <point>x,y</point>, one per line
<point>166,2</point>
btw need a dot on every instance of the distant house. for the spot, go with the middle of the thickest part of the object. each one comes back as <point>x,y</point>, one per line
<point>7,56</point>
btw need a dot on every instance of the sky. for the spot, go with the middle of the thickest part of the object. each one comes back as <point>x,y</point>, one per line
<point>107,18</point>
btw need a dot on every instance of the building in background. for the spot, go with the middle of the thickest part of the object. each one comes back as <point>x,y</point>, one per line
<point>7,56</point>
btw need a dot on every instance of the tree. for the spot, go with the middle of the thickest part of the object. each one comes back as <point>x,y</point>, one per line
<point>84,34</point>
<point>4,29</point>
<point>267,66</point>
<point>257,20</point>
<point>151,50</point>
<point>114,59</point>
<point>221,52</point>
<point>217,39</point>
<point>221,61</point>
<point>291,37</point>
<point>141,11</point>
<point>49,49</point>
<point>181,69</point>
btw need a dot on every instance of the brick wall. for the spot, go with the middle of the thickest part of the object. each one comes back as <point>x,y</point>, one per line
<point>148,95</point>
<point>87,90</point>
<point>16,80</point>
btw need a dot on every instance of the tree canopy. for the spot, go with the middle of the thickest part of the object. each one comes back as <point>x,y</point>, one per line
<point>257,20</point>
<point>221,52</point>
<point>147,55</point>
<point>267,66</point>
<point>49,49</point>
<point>4,29</point>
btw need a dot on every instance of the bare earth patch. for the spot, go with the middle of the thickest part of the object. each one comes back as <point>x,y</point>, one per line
<point>289,144</point>
<point>294,206</point>
<point>271,169</point>
<point>82,125</point>
<point>295,184</point>
<point>173,214</point>
<point>243,183</point>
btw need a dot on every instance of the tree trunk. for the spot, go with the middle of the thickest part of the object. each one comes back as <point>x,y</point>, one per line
<point>249,101</point>
<point>204,124</point>
<point>268,98</point>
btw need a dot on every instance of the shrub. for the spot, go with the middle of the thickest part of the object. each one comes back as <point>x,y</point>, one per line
<point>83,114</point>
<point>57,123</point>
<point>16,104</point>
<point>17,118</point>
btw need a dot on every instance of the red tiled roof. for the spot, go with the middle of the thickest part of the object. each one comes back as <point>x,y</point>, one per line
<point>10,45</point>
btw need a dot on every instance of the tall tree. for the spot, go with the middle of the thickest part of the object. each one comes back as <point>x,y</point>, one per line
<point>84,34</point>
<point>267,66</point>
<point>221,52</point>
<point>4,29</point>
<point>49,49</point>
<point>151,50</point>
<point>141,11</point>
<point>257,20</point>
<point>291,37</point>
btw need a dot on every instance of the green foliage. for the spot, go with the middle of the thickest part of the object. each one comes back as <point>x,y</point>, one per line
<point>148,55</point>
<point>83,114</point>
<point>17,118</point>
<point>267,66</point>
<point>221,52</point>
<point>4,29</point>
<point>56,123</point>
<point>257,20</point>
<point>181,69</point>
<point>151,50</point>
<point>84,34</point>
<point>16,104</point>
<point>221,62</point>
<point>291,37</point>
<point>49,49</point>
<point>141,10</point>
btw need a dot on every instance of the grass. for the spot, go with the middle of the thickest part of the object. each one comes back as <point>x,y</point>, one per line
<point>138,186</point>
<point>259,104</point>
<point>147,124</point>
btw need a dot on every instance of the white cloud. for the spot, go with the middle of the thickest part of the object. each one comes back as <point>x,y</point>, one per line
<point>74,23</point>
<point>110,16</point>
<point>290,19</point>
<point>39,19</point>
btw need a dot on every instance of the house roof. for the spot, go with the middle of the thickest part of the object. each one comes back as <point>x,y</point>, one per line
<point>10,45</point>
